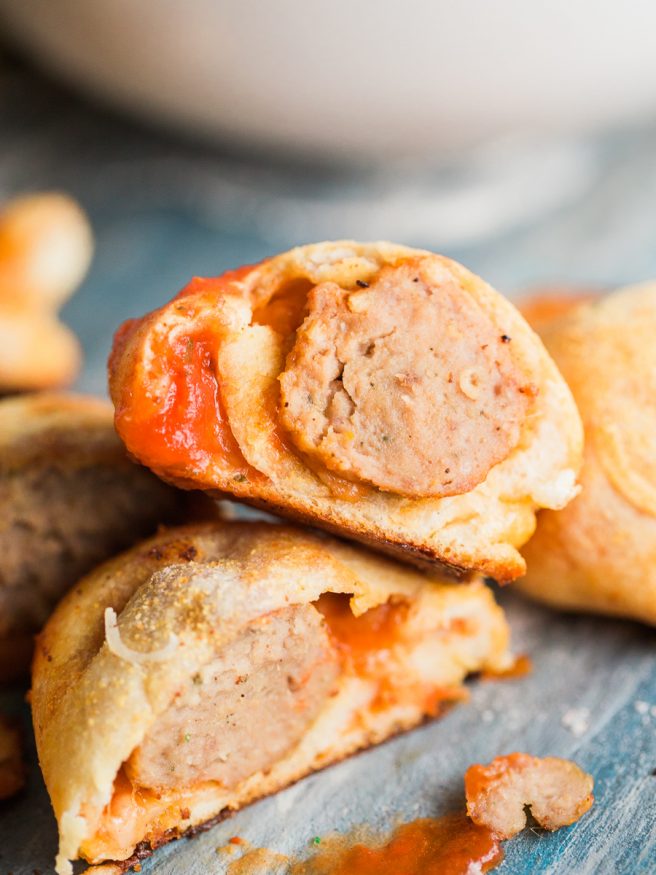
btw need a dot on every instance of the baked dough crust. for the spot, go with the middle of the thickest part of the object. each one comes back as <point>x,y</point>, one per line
<point>599,554</point>
<point>546,304</point>
<point>200,586</point>
<point>157,366</point>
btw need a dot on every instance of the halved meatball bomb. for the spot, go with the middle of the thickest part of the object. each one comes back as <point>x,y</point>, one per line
<point>219,662</point>
<point>382,392</point>
<point>69,498</point>
<point>599,554</point>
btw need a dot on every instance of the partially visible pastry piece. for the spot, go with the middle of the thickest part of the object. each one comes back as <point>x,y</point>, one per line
<point>69,498</point>
<point>542,305</point>
<point>382,392</point>
<point>45,251</point>
<point>36,351</point>
<point>599,553</point>
<point>218,663</point>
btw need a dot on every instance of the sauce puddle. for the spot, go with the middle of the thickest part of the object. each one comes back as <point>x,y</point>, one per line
<point>449,845</point>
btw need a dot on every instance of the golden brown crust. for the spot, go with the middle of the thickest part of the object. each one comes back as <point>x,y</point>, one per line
<point>599,554</point>
<point>45,250</point>
<point>198,587</point>
<point>479,529</point>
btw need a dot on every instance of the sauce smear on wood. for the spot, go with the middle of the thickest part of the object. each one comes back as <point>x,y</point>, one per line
<point>450,845</point>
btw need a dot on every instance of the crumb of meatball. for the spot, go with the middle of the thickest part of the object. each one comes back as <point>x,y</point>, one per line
<point>556,790</point>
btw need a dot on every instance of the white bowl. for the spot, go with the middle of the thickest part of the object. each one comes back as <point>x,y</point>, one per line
<point>354,79</point>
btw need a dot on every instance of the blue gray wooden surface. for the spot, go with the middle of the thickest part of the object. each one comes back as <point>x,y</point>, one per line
<point>163,212</point>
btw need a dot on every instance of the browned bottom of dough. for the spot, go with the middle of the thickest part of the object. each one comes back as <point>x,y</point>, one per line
<point>422,556</point>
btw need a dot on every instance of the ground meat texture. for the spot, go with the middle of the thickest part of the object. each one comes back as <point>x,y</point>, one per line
<point>56,523</point>
<point>405,384</point>
<point>557,791</point>
<point>246,709</point>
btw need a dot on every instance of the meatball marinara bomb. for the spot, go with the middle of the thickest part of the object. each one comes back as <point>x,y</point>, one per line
<point>382,392</point>
<point>217,663</point>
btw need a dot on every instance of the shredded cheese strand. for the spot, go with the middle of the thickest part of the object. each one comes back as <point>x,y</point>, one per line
<point>137,657</point>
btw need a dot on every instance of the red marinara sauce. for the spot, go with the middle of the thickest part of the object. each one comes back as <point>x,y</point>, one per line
<point>169,410</point>
<point>450,845</point>
<point>378,628</point>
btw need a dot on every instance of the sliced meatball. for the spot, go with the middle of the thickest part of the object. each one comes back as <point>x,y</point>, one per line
<point>404,383</point>
<point>246,709</point>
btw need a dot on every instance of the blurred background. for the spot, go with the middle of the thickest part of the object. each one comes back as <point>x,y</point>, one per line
<point>517,138</point>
